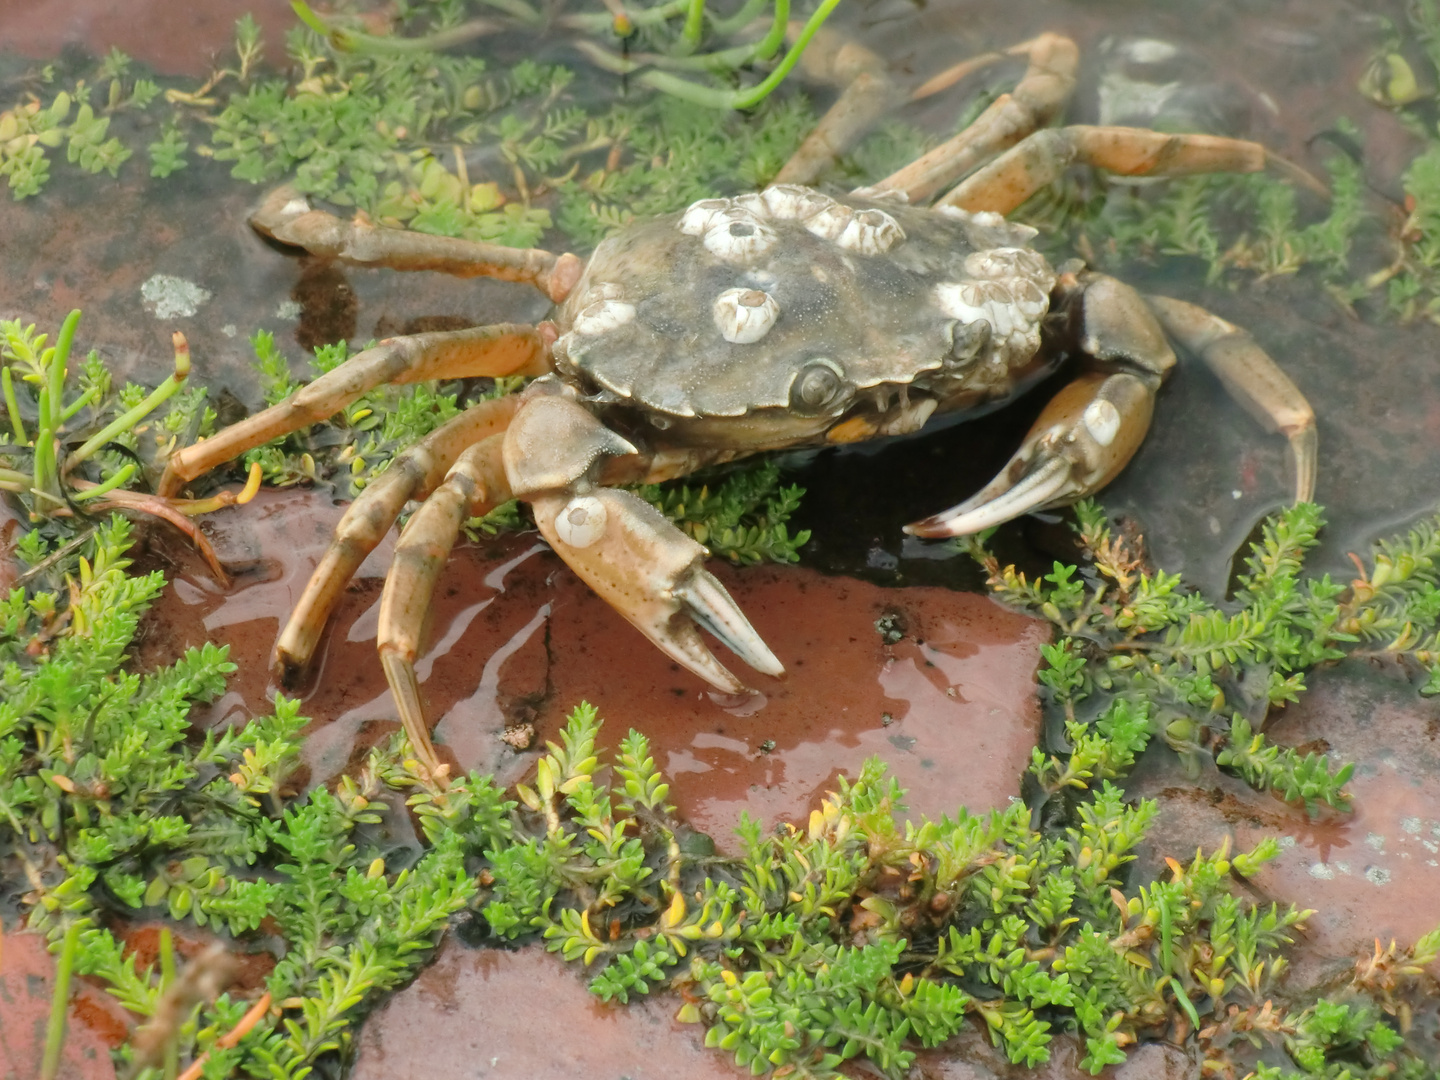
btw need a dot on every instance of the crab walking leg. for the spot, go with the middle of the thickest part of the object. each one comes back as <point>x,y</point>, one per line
<point>1250,377</point>
<point>502,349</point>
<point>1090,430</point>
<point>287,216</point>
<point>476,483</point>
<point>1035,101</point>
<point>620,545</point>
<point>867,95</point>
<point>412,474</point>
<point>1041,158</point>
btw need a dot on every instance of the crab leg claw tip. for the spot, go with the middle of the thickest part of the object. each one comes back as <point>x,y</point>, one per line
<point>998,503</point>
<point>710,605</point>
<point>400,674</point>
<point>288,671</point>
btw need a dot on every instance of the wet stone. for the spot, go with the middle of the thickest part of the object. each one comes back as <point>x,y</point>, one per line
<point>1372,874</point>
<point>493,1015</point>
<point>94,1021</point>
<point>516,638</point>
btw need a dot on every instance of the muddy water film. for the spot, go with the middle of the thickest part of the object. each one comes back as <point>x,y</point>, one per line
<point>887,653</point>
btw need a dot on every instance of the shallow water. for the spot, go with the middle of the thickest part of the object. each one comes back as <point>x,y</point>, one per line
<point>516,640</point>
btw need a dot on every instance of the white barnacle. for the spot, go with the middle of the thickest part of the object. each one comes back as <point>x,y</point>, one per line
<point>1030,299</point>
<point>987,219</point>
<point>603,316</point>
<point>879,194</point>
<point>988,301</point>
<point>752,202</point>
<point>582,521</point>
<point>961,300</point>
<point>1006,262</point>
<point>744,316</point>
<point>699,215</point>
<point>991,301</point>
<point>1102,421</point>
<point>601,290</point>
<point>870,232</point>
<point>829,222</point>
<point>791,202</point>
<point>737,235</point>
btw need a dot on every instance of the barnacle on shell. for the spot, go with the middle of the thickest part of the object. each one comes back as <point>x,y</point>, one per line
<point>603,315</point>
<point>744,316</point>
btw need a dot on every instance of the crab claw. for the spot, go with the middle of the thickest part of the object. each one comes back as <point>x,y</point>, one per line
<point>1085,436</point>
<point>654,575</point>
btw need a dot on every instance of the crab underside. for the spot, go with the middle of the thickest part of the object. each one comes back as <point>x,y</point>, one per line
<point>786,318</point>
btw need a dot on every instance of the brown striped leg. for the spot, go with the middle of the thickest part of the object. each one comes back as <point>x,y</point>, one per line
<point>411,475</point>
<point>475,484</point>
<point>287,216</point>
<point>1036,99</point>
<point>502,349</point>
<point>1041,158</point>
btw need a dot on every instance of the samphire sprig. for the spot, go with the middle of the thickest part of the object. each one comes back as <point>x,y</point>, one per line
<point>111,804</point>
<point>858,934</point>
<point>48,408</point>
<point>1141,655</point>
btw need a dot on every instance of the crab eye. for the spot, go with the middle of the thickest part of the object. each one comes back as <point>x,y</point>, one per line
<point>819,387</point>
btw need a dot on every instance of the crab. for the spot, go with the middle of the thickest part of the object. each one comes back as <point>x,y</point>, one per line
<point>780,319</point>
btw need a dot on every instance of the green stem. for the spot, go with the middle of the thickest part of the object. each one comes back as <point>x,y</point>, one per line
<point>737,99</point>
<point>80,402</point>
<point>770,44</point>
<point>356,41</point>
<point>518,9</point>
<point>721,62</point>
<point>59,1003</point>
<point>58,360</point>
<point>44,460</point>
<point>119,479</point>
<point>129,419</point>
<point>167,980</point>
<point>7,380</point>
<point>596,23</point>
<point>694,25</point>
<point>741,19</point>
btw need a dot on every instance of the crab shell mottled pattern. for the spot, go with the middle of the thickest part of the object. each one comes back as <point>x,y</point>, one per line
<point>868,301</point>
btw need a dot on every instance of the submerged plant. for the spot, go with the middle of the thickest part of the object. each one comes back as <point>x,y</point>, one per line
<point>1140,655</point>
<point>77,446</point>
<point>111,803</point>
<point>672,32</point>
